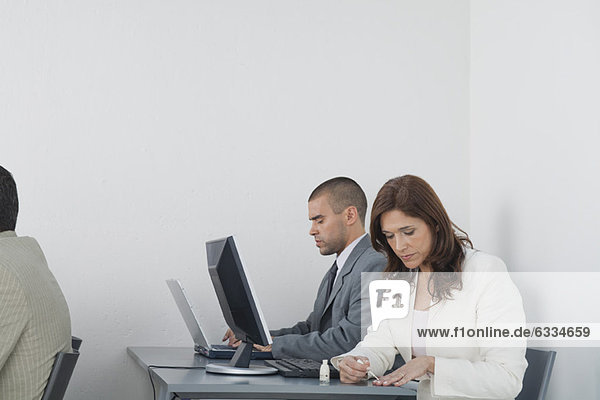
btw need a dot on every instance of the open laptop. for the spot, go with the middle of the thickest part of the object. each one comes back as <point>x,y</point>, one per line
<point>200,343</point>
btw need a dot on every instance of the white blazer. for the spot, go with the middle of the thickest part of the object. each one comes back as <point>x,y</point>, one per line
<point>474,372</point>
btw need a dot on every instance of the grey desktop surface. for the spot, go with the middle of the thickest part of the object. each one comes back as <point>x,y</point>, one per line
<point>168,356</point>
<point>196,383</point>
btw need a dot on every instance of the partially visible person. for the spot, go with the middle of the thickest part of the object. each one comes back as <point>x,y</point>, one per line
<point>410,225</point>
<point>34,318</point>
<point>337,210</point>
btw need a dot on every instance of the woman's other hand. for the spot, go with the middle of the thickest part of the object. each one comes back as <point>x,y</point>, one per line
<point>352,371</point>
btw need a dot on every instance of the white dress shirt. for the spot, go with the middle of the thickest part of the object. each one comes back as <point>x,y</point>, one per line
<point>343,257</point>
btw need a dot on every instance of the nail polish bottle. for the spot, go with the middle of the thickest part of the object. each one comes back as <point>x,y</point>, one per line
<point>324,372</point>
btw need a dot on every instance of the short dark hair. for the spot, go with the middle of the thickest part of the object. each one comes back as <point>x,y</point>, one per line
<point>9,202</point>
<point>342,193</point>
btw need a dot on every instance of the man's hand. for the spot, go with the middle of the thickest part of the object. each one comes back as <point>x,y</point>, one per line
<point>230,337</point>
<point>262,348</point>
<point>413,369</point>
<point>351,371</point>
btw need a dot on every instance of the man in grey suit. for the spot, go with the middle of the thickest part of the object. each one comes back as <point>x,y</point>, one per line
<point>34,318</point>
<point>337,209</point>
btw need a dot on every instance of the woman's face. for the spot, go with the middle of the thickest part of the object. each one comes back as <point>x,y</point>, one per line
<point>410,238</point>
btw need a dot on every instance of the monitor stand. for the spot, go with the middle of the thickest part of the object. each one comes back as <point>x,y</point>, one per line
<point>240,364</point>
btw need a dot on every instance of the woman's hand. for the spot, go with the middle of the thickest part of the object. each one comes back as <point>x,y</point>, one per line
<point>413,369</point>
<point>351,371</point>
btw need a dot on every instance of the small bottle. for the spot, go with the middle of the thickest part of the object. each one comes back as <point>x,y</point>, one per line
<point>324,372</point>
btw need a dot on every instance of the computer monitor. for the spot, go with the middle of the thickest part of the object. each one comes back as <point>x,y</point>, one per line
<point>239,305</point>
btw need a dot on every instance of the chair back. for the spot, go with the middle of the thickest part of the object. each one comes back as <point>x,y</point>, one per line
<point>75,343</point>
<point>63,367</point>
<point>537,375</point>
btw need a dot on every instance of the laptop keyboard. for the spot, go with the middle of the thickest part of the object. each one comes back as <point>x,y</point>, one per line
<point>222,347</point>
<point>300,368</point>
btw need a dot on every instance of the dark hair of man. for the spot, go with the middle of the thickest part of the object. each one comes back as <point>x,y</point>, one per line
<point>416,198</point>
<point>342,193</point>
<point>9,202</point>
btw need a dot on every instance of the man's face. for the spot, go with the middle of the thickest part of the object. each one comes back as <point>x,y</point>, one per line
<point>329,229</point>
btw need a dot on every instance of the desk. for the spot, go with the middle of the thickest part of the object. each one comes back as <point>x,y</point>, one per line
<point>197,384</point>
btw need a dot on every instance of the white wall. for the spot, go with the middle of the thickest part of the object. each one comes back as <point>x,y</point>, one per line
<point>138,130</point>
<point>535,134</point>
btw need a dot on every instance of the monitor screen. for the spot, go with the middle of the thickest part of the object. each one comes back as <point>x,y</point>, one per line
<point>235,293</point>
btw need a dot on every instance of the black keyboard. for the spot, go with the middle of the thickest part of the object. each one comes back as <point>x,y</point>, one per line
<point>231,348</point>
<point>300,368</point>
<point>222,347</point>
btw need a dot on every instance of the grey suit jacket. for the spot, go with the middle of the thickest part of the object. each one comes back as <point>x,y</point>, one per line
<point>34,319</point>
<point>334,326</point>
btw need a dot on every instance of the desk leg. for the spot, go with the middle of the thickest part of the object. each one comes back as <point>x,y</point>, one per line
<point>162,393</point>
<point>161,388</point>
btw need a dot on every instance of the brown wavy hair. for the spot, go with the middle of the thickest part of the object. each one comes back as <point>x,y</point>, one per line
<point>416,198</point>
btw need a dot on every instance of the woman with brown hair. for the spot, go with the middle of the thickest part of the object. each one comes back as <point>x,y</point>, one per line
<point>410,225</point>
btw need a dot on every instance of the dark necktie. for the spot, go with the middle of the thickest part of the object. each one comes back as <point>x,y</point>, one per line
<point>331,278</point>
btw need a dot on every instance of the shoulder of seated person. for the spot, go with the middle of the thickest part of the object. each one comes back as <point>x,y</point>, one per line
<point>478,261</point>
